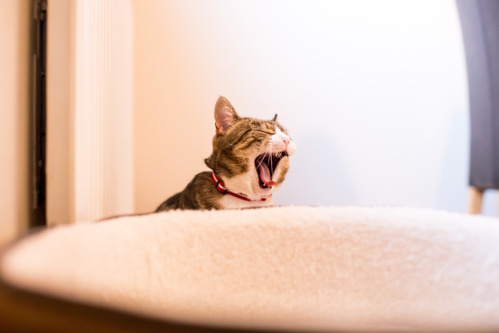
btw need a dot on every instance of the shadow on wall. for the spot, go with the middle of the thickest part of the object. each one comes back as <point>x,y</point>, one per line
<point>326,182</point>
<point>454,164</point>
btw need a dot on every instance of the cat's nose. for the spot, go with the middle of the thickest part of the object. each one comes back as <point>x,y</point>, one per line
<point>286,141</point>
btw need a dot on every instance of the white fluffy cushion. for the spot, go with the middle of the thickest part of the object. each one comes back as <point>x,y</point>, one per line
<point>363,269</point>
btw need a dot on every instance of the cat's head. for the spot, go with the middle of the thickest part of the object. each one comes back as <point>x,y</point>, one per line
<point>250,155</point>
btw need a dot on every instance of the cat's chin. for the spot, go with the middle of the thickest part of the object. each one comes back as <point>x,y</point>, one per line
<point>263,192</point>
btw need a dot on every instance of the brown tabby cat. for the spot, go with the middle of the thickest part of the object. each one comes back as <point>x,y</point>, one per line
<point>249,161</point>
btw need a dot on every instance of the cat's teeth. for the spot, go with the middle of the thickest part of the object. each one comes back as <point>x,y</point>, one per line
<point>278,155</point>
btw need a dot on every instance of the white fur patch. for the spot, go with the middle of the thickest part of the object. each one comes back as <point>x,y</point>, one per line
<point>281,142</point>
<point>230,202</point>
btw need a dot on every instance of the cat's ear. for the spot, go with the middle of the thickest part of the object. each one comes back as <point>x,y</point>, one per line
<point>225,115</point>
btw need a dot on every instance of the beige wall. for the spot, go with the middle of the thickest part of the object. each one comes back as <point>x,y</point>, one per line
<point>370,91</point>
<point>173,113</point>
<point>15,104</point>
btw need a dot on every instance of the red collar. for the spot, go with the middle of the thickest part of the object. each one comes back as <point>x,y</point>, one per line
<point>219,184</point>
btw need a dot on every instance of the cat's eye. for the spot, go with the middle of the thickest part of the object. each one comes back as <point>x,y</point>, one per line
<point>266,132</point>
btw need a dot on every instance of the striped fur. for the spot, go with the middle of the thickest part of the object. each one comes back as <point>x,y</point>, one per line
<point>236,144</point>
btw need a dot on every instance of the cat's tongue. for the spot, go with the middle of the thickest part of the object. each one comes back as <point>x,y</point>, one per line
<point>265,175</point>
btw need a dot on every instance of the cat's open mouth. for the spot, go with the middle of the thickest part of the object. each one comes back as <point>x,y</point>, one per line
<point>265,165</point>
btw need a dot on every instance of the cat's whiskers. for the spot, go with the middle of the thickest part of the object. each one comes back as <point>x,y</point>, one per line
<point>265,155</point>
<point>271,160</point>
<point>261,161</point>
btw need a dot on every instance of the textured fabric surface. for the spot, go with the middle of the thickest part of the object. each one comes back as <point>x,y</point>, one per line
<point>300,268</point>
<point>480,27</point>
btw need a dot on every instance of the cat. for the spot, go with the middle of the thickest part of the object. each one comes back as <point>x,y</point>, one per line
<point>249,161</point>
